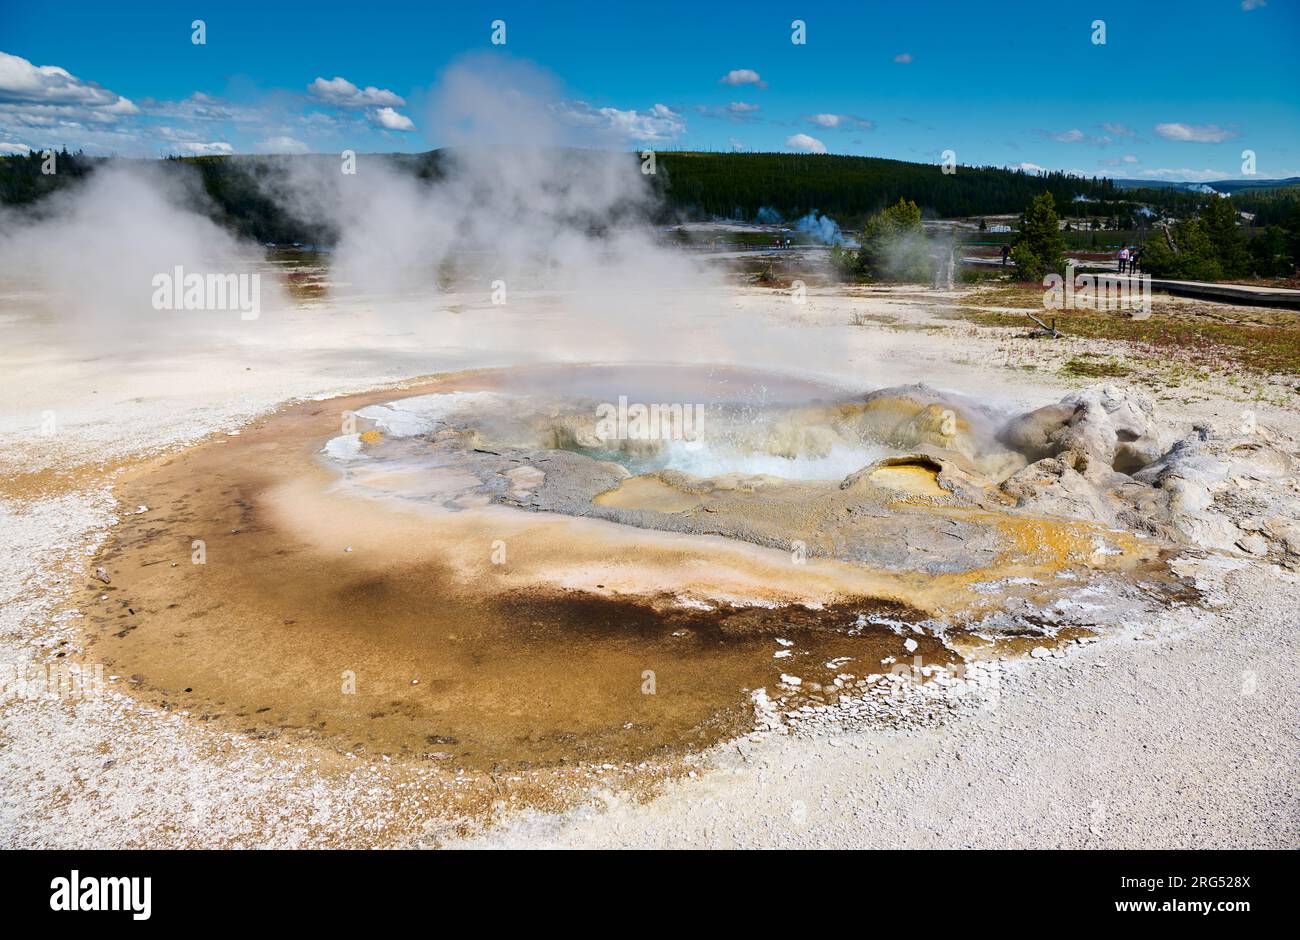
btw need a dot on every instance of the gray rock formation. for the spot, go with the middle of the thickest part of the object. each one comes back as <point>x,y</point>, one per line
<point>1102,454</point>
<point>1095,431</point>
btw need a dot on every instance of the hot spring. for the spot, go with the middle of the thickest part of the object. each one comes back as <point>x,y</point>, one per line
<point>520,568</point>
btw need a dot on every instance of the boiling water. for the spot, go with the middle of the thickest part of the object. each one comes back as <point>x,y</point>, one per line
<point>740,431</point>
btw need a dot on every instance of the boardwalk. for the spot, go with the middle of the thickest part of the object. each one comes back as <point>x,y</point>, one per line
<point>1247,294</point>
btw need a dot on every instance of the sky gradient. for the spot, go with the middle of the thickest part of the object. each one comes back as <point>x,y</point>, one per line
<point>1177,91</point>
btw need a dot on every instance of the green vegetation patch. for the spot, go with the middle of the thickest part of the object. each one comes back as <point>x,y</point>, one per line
<point>1094,366</point>
<point>1268,350</point>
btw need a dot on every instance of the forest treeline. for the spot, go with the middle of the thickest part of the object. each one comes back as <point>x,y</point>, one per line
<point>744,186</point>
<point>693,185</point>
<point>849,189</point>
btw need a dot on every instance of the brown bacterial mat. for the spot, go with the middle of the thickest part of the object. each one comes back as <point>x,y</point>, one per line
<point>323,617</point>
<point>391,649</point>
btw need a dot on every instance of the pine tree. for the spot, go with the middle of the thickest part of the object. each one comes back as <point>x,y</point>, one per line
<point>1040,247</point>
<point>1227,243</point>
<point>894,247</point>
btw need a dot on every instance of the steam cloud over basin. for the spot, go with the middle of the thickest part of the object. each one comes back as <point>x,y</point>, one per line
<point>434,449</point>
<point>93,254</point>
<point>506,587</point>
<point>520,198</point>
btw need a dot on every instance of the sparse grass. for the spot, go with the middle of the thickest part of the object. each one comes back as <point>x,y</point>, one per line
<point>862,319</point>
<point>1095,366</point>
<point>1204,344</point>
<point>968,275</point>
<point>916,327</point>
<point>1026,296</point>
<point>768,276</point>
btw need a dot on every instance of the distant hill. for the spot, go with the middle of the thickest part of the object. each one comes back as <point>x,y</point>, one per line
<point>692,185</point>
<point>741,185</point>
<point>1218,186</point>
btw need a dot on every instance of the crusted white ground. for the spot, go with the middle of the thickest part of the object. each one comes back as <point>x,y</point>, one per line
<point>1183,733</point>
<point>1184,738</point>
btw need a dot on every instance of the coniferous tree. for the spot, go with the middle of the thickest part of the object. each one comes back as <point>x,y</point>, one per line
<point>1227,243</point>
<point>1040,248</point>
<point>894,247</point>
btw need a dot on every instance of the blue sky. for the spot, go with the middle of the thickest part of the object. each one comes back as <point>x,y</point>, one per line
<point>1178,90</point>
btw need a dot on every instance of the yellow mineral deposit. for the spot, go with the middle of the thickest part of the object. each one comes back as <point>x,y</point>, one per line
<point>405,612</point>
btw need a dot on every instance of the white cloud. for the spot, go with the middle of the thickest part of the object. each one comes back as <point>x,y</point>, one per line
<point>903,58</point>
<point>734,144</point>
<point>658,123</point>
<point>1186,174</point>
<point>840,120</point>
<point>174,133</point>
<point>93,136</point>
<point>1197,133</point>
<point>743,77</point>
<point>10,149</point>
<point>1076,136</point>
<point>282,144</point>
<point>200,149</point>
<point>343,94</point>
<point>390,120</point>
<point>1249,5</point>
<point>1127,160</point>
<point>46,106</point>
<point>21,82</point>
<point>1118,129</point>
<point>805,143</point>
<point>742,111</point>
<point>64,109</point>
<point>1030,167</point>
<point>15,114</point>
<point>200,107</point>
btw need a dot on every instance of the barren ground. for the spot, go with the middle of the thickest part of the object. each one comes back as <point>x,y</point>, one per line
<point>1182,732</point>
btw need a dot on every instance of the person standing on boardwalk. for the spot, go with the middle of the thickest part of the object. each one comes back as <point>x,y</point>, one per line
<point>1133,259</point>
<point>1006,253</point>
<point>1123,259</point>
